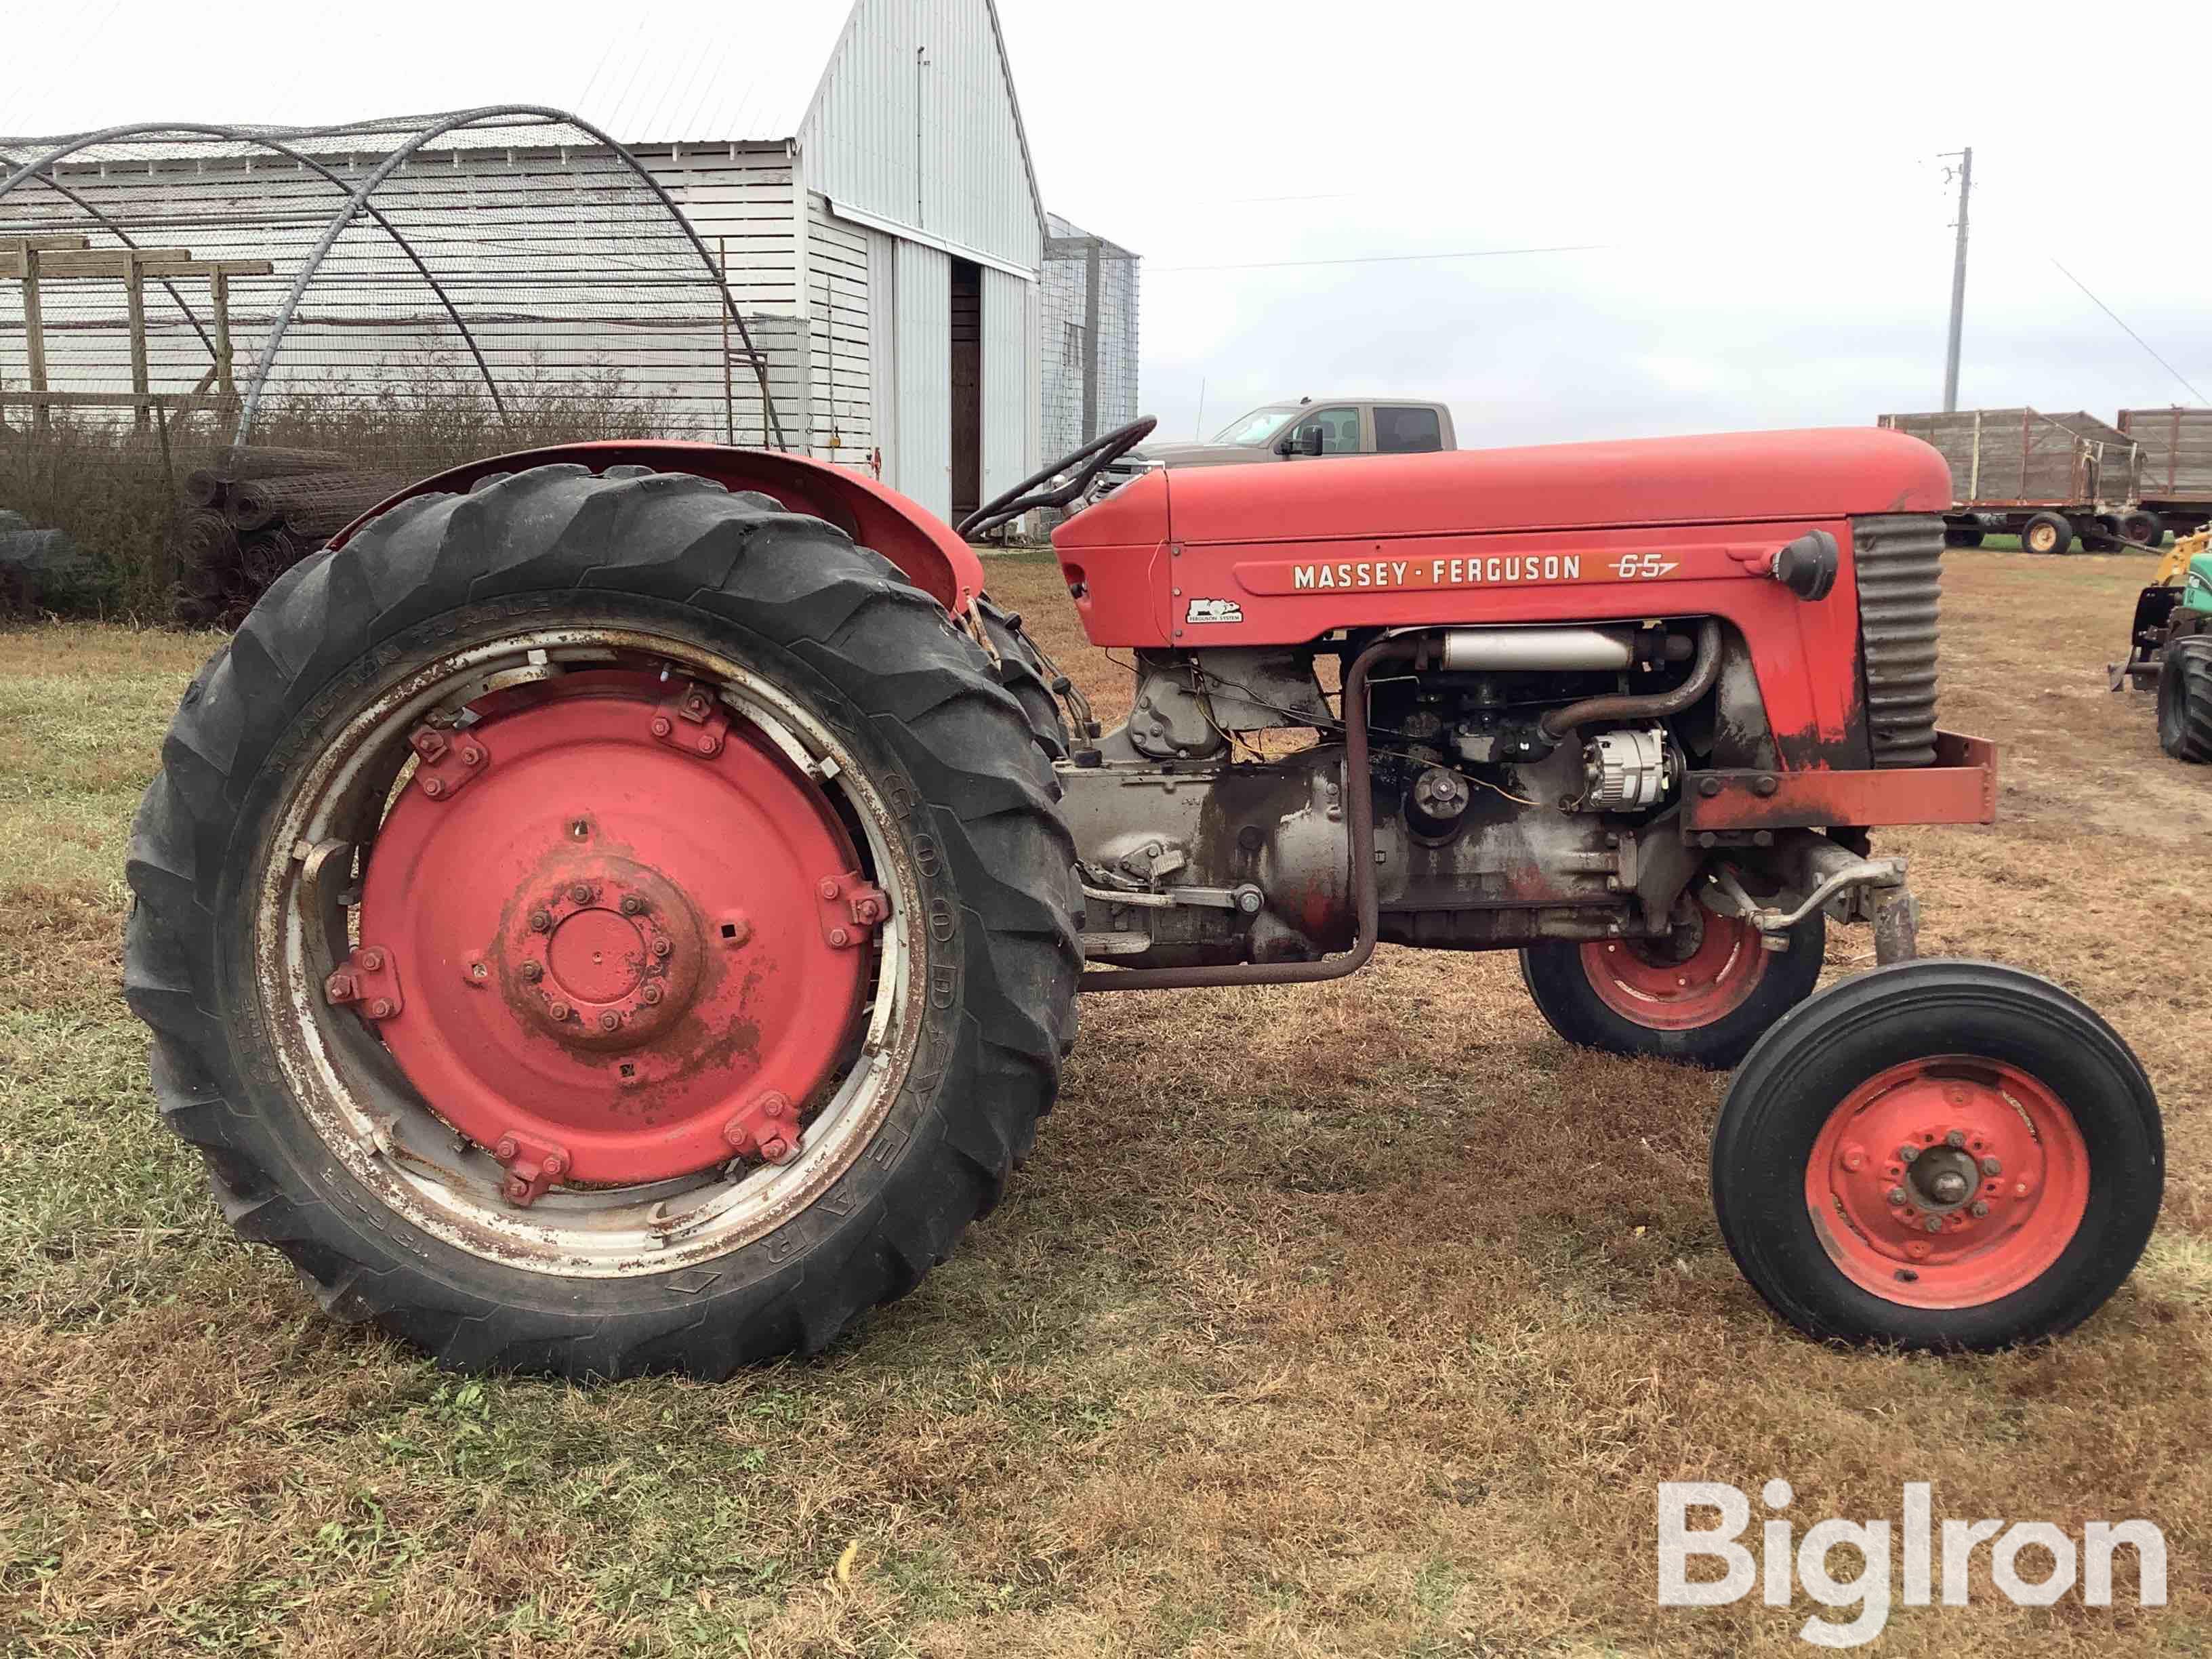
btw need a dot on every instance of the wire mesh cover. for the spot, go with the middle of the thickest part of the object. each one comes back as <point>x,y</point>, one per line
<point>438,287</point>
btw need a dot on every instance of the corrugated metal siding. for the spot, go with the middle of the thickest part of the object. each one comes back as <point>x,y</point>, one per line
<point>916,124</point>
<point>920,459</point>
<point>1009,380</point>
<point>739,197</point>
<point>882,362</point>
<point>839,332</point>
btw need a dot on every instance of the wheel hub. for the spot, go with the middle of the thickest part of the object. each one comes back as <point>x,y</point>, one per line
<point>1948,1182</point>
<point>606,954</point>
<point>631,944</point>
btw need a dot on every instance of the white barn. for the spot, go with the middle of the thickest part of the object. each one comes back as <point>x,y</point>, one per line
<point>871,183</point>
<point>858,167</point>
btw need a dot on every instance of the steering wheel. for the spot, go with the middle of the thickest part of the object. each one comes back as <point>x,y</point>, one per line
<point>1093,459</point>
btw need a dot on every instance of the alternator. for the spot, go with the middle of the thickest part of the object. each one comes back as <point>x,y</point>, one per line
<point>1625,770</point>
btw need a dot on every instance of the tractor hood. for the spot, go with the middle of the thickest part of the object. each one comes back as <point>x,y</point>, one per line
<point>1733,478</point>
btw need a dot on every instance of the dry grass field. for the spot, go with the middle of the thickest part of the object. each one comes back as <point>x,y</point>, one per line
<point>1362,1318</point>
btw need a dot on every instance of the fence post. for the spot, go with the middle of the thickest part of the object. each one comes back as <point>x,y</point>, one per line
<point>34,334</point>
<point>141,380</point>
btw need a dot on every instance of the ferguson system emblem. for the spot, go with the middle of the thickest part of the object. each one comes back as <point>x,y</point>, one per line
<point>1215,610</point>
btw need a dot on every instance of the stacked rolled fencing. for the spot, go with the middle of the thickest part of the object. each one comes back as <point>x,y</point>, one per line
<point>1088,299</point>
<point>402,294</point>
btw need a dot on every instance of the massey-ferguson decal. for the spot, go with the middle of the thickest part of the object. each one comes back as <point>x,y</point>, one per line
<point>1439,573</point>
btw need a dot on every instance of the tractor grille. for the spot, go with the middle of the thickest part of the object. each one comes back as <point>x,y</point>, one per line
<point>1900,561</point>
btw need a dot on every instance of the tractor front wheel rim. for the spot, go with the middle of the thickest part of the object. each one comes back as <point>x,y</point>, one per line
<point>1948,1182</point>
<point>626,977</point>
<point>1707,970</point>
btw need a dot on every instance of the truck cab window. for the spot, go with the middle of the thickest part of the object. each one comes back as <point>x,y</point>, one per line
<point>1403,430</point>
<point>1339,431</point>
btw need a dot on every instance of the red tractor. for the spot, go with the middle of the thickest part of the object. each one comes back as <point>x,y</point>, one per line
<point>623,908</point>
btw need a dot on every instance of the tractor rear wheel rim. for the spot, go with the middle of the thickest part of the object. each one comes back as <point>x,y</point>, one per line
<point>1948,1182</point>
<point>630,1025</point>
<point>1720,964</point>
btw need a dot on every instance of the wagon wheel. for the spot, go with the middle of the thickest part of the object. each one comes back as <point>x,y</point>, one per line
<point>602,924</point>
<point>2046,533</point>
<point>1939,1154</point>
<point>1703,994</point>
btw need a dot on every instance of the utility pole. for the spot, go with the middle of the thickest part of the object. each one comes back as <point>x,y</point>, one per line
<point>1966,171</point>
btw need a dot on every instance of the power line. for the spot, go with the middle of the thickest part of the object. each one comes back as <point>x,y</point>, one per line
<point>2131,334</point>
<point>1382,258</point>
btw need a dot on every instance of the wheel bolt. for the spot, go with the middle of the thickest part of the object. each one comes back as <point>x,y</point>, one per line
<point>828,888</point>
<point>775,1149</point>
<point>532,972</point>
<point>1935,1224</point>
<point>559,1010</point>
<point>1991,1166</point>
<point>1907,1152</point>
<point>506,1151</point>
<point>839,938</point>
<point>661,727</point>
<point>775,1103</point>
<point>433,787</point>
<point>1955,1140</point>
<point>661,947</point>
<point>478,971</point>
<point>1980,1209</point>
<point>473,756</point>
<point>1896,1194</point>
<point>651,994</point>
<point>539,921</point>
<point>633,906</point>
<point>381,1009</point>
<point>554,1166</point>
<point>708,745</point>
<point>610,1021</point>
<point>580,893</point>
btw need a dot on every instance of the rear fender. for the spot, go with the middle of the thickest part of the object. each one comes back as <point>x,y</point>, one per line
<point>921,544</point>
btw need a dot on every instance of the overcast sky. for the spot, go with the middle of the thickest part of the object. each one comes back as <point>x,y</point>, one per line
<point>1764,180</point>
<point>1762,183</point>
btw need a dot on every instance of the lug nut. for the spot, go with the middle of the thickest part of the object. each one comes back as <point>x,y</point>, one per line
<point>433,787</point>
<point>559,1010</point>
<point>661,728</point>
<point>506,1151</point>
<point>1935,1224</point>
<point>775,1103</point>
<point>1980,1209</point>
<point>381,1009</point>
<point>532,972</point>
<point>828,888</point>
<point>776,1150</point>
<point>708,745</point>
<point>651,994</point>
<point>554,1166</point>
<point>633,906</point>
<point>1955,1140</point>
<point>1907,1152</point>
<point>473,756</point>
<point>1991,1166</point>
<point>610,1021</point>
<point>339,988</point>
<point>838,939</point>
<point>1896,1194</point>
<point>539,921</point>
<point>661,947</point>
<point>580,893</point>
<point>373,960</point>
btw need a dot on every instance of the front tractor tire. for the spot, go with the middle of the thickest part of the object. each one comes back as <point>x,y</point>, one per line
<point>1939,1154</point>
<point>2185,700</point>
<point>1701,996</point>
<point>602,924</point>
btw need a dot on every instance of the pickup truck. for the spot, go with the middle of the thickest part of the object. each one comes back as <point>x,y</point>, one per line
<point>1289,432</point>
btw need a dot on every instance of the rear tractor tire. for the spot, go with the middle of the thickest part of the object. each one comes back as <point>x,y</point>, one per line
<point>1939,1154</point>
<point>2184,701</point>
<point>2046,533</point>
<point>1702,996</point>
<point>602,924</point>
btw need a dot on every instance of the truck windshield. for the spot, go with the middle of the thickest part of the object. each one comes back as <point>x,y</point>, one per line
<point>1254,429</point>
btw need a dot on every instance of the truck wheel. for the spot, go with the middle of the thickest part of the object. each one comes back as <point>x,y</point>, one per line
<point>1703,995</point>
<point>2184,701</point>
<point>1939,1154</point>
<point>2142,529</point>
<point>2046,533</point>
<point>597,925</point>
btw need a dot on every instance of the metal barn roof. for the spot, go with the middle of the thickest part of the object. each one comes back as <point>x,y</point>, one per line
<point>672,72</point>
